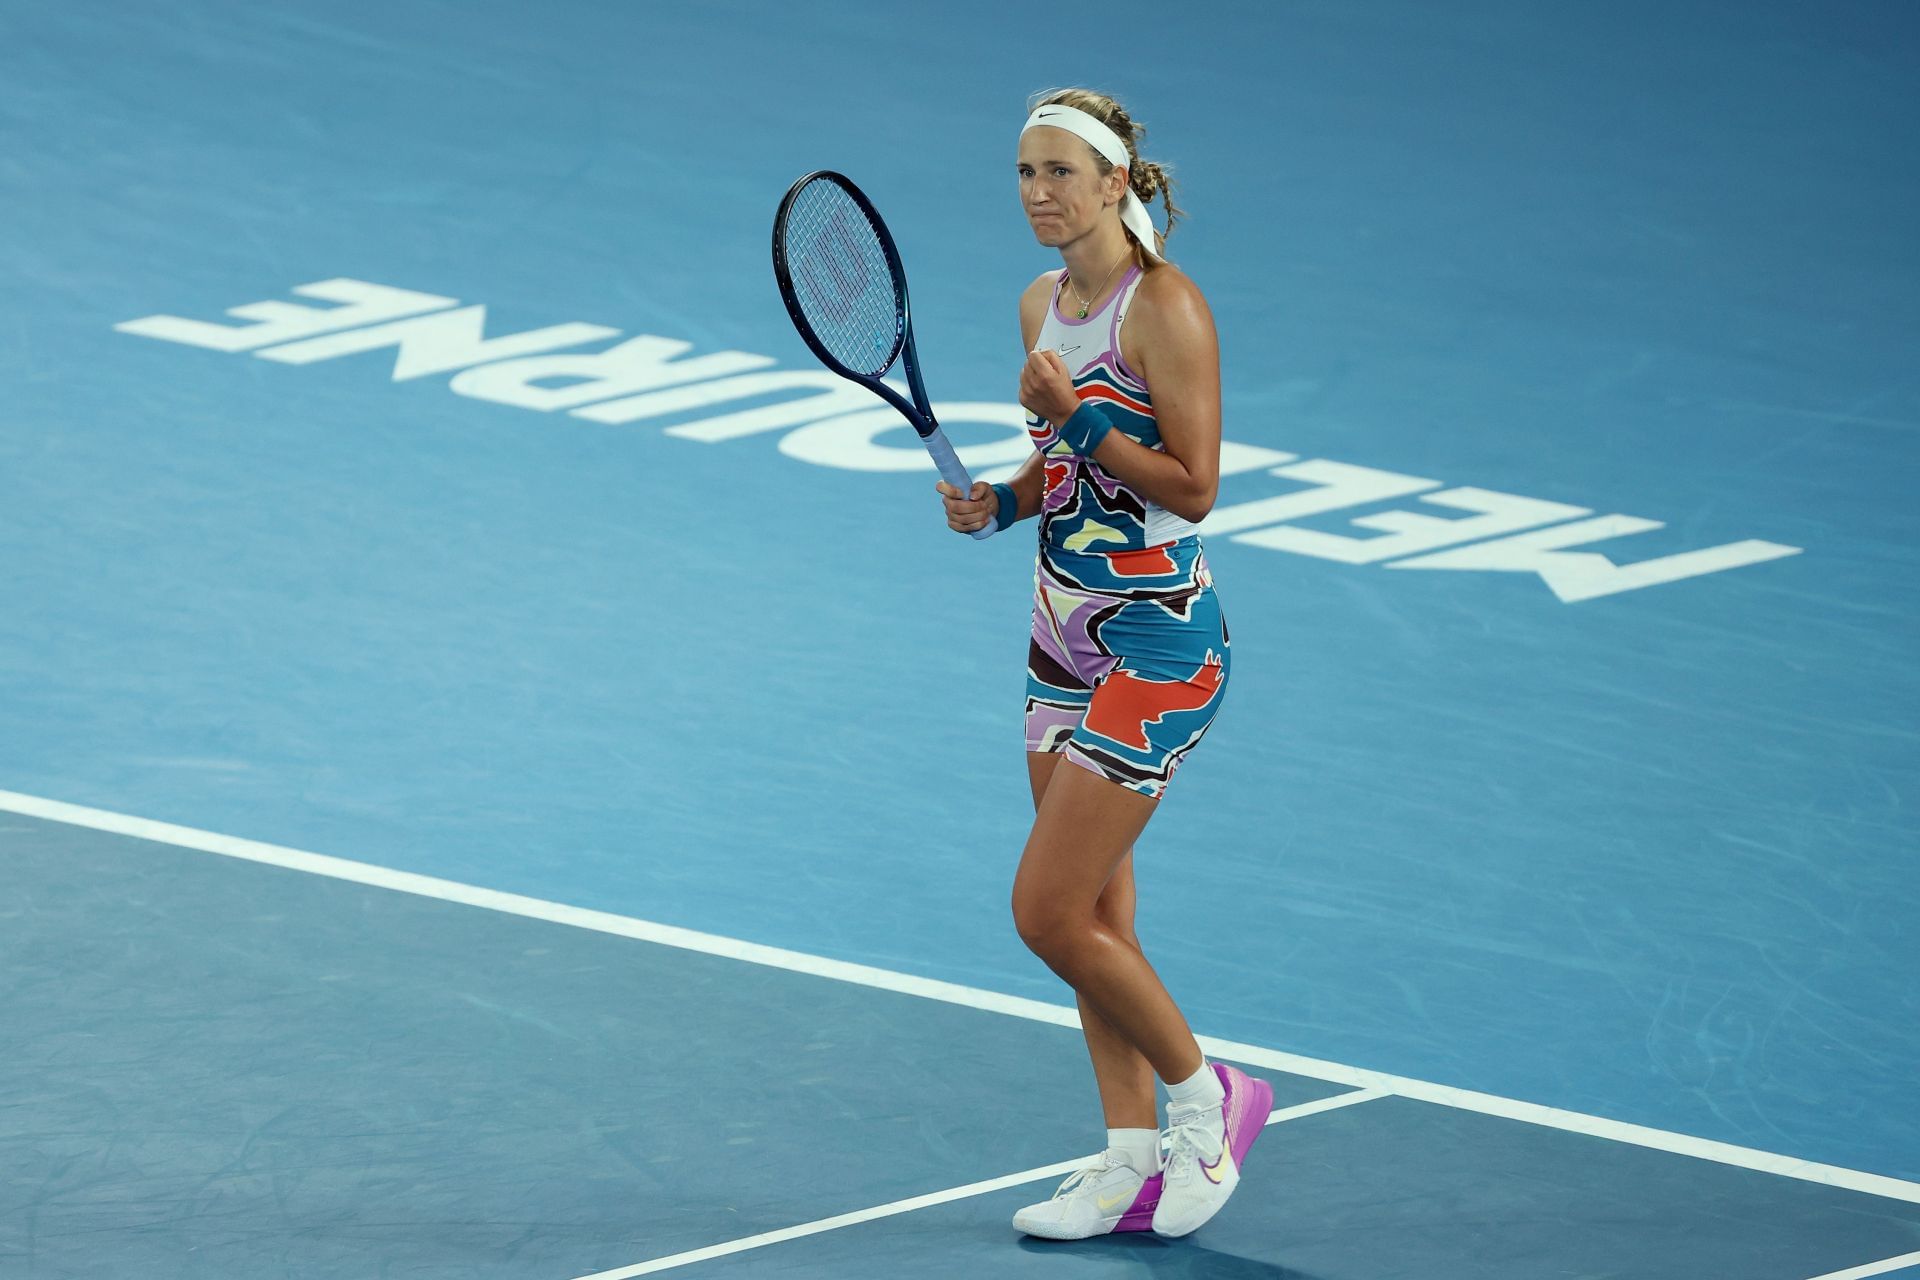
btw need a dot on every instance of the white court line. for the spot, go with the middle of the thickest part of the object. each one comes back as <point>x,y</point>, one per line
<point>1318,1105</point>
<point>949,992</point>
<point>1874,1268</point>
<point>928,1201</point>
<point>844,1220</point>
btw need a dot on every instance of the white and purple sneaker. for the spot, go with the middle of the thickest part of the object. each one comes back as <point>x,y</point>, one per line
<point>1108,1195</point>
<point>1206,1147</point>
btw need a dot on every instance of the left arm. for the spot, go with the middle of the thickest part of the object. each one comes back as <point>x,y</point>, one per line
<point>1179,356</point>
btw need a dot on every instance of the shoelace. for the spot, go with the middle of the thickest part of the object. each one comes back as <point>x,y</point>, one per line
<point>1078,1176</point>
<point>1181,1142</point>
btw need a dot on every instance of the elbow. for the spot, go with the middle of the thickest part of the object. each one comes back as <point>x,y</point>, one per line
<point>1198,505</point>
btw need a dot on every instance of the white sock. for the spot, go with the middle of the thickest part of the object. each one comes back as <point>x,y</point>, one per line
<point>1201,1089</point>
<point>1140,1148</point>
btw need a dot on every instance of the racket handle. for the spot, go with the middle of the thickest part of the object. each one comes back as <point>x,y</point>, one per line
<point>953,471</point>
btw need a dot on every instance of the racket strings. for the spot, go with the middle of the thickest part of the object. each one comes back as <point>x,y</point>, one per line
<point>842,279</point>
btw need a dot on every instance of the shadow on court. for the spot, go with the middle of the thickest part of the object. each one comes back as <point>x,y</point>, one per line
<point>1175,1259</point>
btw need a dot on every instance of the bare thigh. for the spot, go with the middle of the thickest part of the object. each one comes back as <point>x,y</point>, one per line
<point>1115,905</point>
<point>1083,831</point>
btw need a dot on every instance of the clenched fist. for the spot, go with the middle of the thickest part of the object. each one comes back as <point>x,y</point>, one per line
<point>1046,388</point>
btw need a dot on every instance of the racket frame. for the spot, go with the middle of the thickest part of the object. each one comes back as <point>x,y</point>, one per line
<point>920,412</point>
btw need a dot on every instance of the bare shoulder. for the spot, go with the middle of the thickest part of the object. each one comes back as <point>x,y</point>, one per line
<point>1037,293</point>
<point>1033,305</point>
<point>1174,304</point>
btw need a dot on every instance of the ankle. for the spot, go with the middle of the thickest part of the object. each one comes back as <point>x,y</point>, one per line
<point>1201,1089</point>
<point>1140,1148</point>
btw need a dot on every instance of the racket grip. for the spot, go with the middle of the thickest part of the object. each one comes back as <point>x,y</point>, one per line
<point>953,471</point>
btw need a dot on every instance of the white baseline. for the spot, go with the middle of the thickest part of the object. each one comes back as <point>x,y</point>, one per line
<point>948,992</point>
<point>929,1200</point>
<point>1879,1268</point>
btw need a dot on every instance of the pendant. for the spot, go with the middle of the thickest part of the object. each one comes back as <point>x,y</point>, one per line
<point>1083,311</point>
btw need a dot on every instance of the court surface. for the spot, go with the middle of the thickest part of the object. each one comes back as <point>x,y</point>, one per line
<point>504,773</point>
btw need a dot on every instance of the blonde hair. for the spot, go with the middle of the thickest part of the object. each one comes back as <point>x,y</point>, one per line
<point>1145,178</point>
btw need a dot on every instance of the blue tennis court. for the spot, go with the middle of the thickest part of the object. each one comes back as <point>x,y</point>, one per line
<point>505,773</point>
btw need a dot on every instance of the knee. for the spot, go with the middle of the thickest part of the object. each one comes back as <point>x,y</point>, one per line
<point>1050,932</point>
<point>1037,925</point>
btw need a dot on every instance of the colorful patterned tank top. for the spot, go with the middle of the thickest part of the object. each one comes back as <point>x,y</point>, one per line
<point>1094,530</point>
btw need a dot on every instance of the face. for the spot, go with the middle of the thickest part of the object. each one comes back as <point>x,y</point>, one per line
<point>1061,187</point>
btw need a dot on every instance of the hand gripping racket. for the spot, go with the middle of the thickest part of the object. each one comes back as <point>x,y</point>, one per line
<point>843,284</point>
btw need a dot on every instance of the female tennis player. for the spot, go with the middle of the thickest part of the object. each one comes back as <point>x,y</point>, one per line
<point>1129,657</point>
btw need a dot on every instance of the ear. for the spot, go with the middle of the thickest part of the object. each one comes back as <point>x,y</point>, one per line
<point>1117,180</point>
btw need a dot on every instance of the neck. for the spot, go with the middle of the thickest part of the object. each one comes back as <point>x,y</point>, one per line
<point>1094,255</point>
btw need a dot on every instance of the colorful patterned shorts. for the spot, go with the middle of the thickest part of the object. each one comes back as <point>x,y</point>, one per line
<point>1128,661</point>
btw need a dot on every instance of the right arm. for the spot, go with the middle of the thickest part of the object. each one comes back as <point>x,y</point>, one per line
<point>1029,483</point>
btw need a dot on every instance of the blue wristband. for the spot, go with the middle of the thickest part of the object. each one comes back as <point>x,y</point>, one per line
<point>1084,431</point>
<point>1009,509</point>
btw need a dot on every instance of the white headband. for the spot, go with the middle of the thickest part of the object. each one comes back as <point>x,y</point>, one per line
<point>1105,141</point>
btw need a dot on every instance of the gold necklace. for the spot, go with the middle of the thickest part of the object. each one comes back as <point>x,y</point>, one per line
<point>1097,288</point>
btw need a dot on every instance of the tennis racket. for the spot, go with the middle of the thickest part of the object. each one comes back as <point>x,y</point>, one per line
<point>841,278</point>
